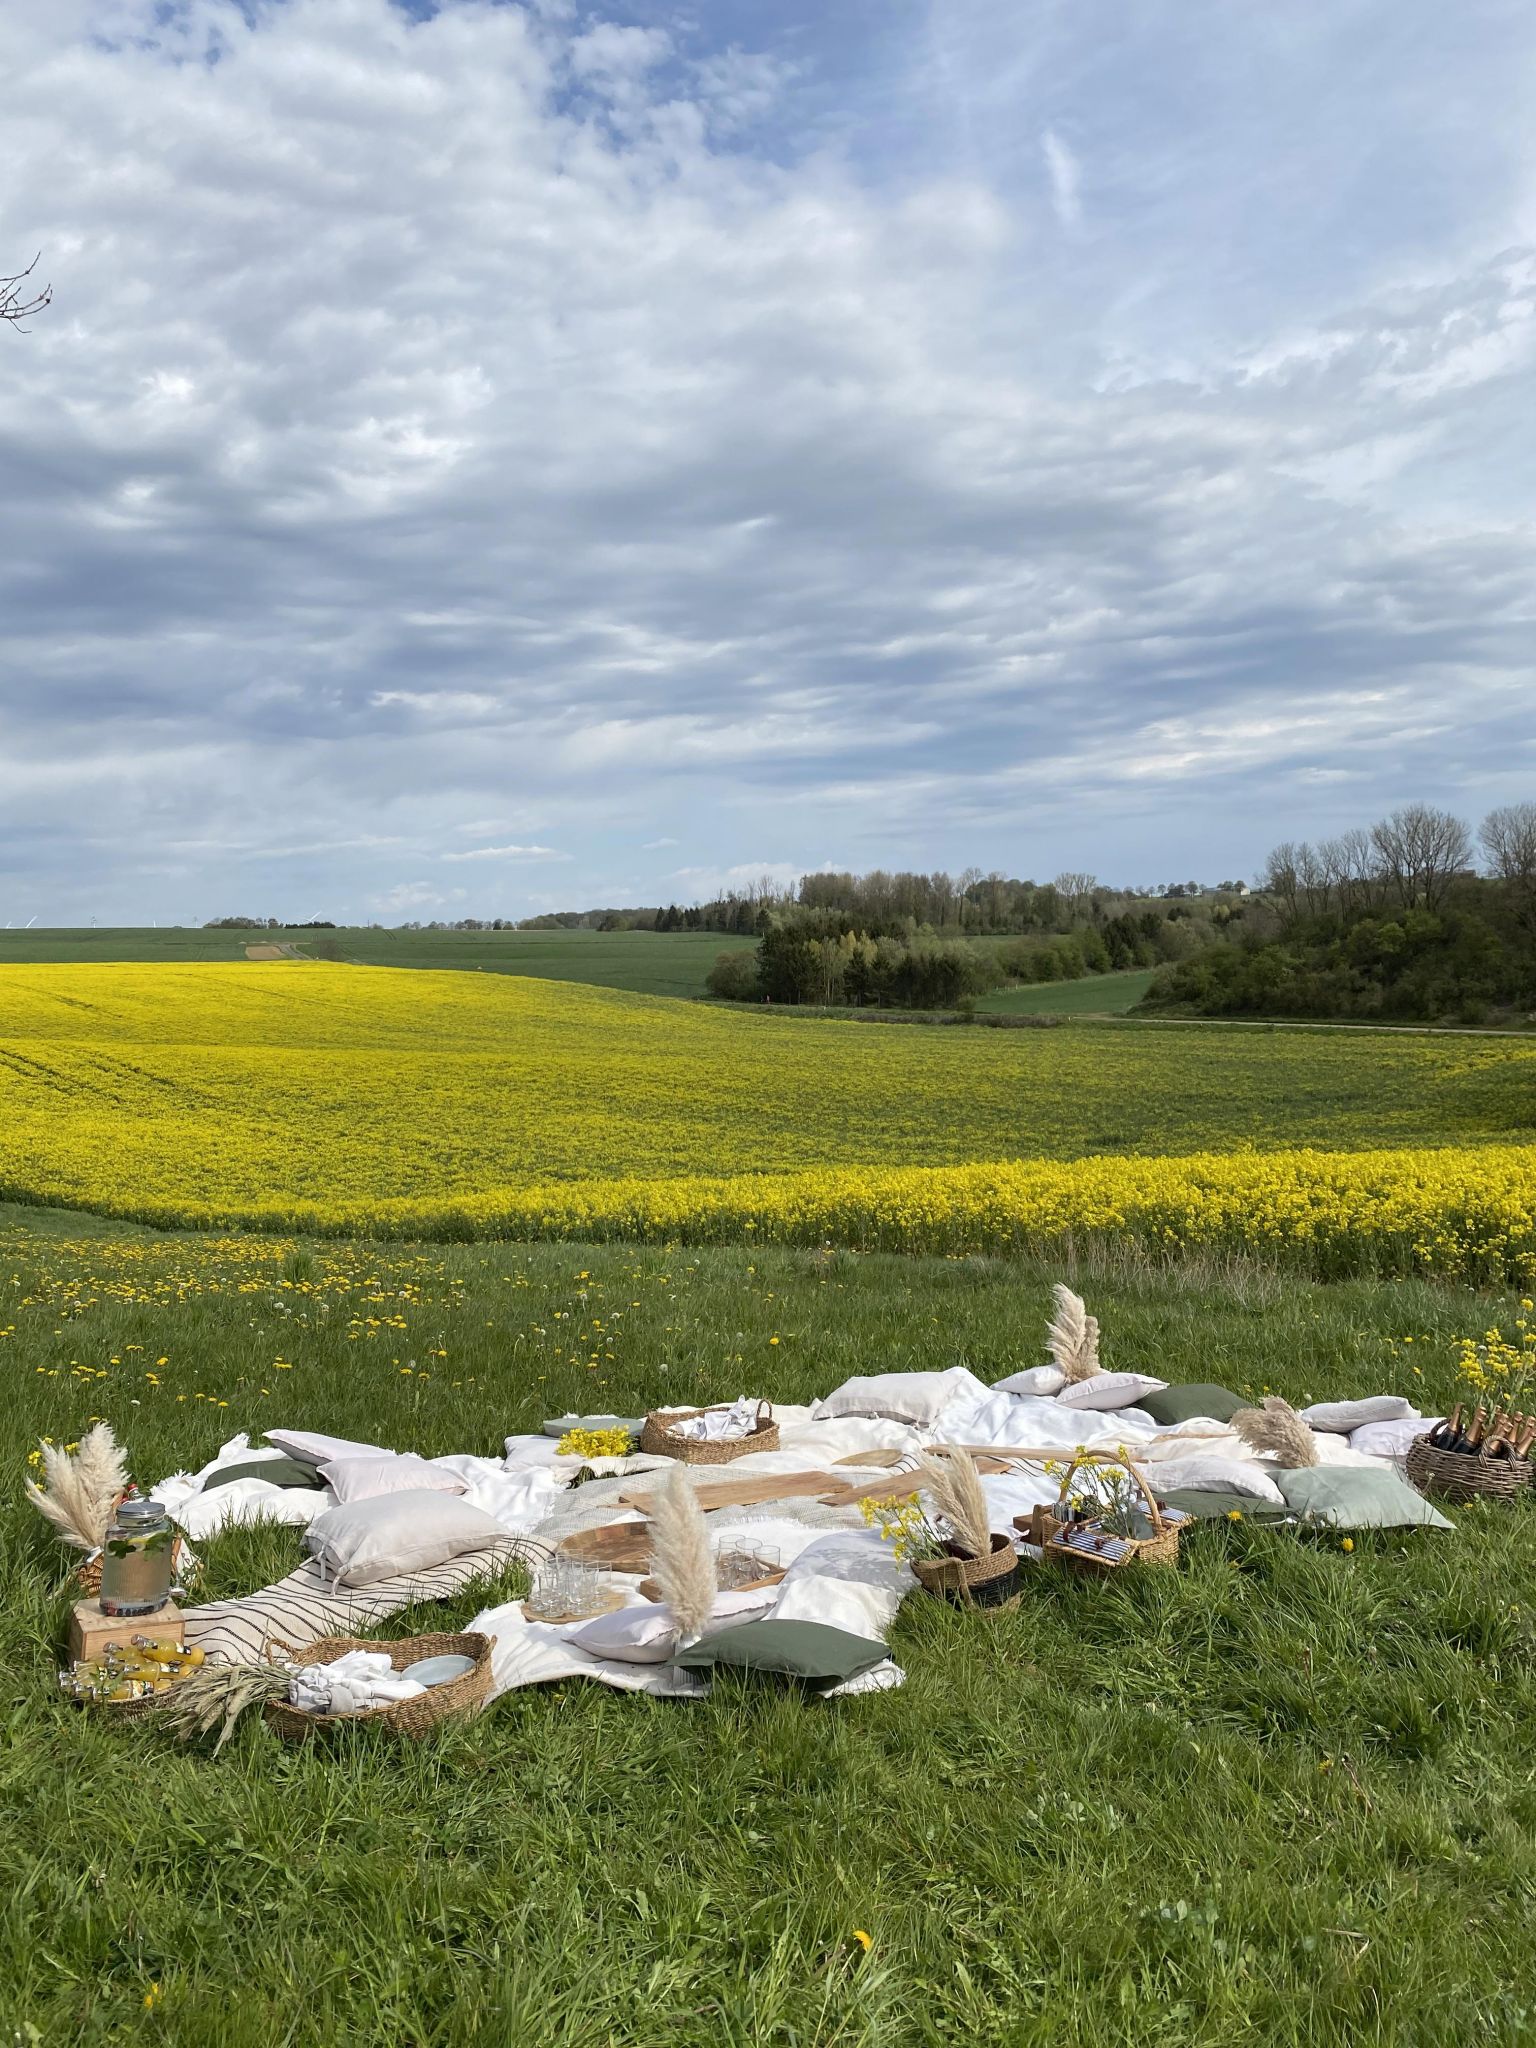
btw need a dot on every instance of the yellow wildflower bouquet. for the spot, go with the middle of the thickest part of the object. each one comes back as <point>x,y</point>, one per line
<point>904,1524</point>
<point>1499,1365</point>
<point>595,1443</point>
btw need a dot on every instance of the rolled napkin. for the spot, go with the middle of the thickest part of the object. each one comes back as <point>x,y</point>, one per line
<point>354,1683</point>
<point>718,1425</point>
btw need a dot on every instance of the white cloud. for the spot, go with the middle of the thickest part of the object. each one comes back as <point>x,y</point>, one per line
<point>606,437</point>
<point>414,896</point>
<point>507,853</point>
<point>1066,178</point>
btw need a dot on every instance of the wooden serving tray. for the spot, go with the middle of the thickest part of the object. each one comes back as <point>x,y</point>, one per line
<point>624,1545</point>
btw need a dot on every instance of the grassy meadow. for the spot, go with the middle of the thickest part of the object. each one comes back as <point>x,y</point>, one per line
<point>651,963</point>
<point>1282,1795</point>
<point>339,1098</point>
<point>1096,995</point>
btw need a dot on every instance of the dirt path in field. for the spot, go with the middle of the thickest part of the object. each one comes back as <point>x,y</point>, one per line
<point>273,953</point>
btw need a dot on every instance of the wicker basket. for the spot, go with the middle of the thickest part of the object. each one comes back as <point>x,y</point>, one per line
<point>958,1573</point>
<point>658,1441</point>
<point>1467,1475</point>
<point>416,1717</point>
<point>1161,1547</point>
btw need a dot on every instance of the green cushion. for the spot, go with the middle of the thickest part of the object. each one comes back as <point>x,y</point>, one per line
<point>1354,1497</point>
<point>1206,1506</point>
<point>1181,1404</point>
<point>275,1471</point>
<point>795,1649</point>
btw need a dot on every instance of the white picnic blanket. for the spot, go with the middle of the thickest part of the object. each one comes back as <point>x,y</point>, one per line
<point>836,1570</point>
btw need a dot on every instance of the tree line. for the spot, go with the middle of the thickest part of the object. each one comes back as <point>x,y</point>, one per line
<point>1414,918</point>
<point>820,956</point>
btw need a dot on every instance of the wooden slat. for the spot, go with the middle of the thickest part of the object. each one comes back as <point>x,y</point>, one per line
<point>893,1488</point>
<point>748,1491</point>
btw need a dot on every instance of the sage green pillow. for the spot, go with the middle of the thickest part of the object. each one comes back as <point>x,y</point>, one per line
<point>794,1649</point>
<point>275,1471</point>
<point>1182,1404</point>
<point>1207,1506</point>
<point>1354,1497</point>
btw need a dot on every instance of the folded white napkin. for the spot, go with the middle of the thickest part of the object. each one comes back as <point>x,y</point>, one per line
<point>354,1683</point>
<point>717,1425</point>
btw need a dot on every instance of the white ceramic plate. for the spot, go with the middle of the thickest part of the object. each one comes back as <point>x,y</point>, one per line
<point>438,1670</point>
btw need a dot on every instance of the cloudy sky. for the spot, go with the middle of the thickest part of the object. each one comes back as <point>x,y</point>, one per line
<point>489,457</point>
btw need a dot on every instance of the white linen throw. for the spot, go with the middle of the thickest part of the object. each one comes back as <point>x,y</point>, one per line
<point>355,1682</point>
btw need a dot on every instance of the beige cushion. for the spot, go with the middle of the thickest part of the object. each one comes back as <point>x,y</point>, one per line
<point>1343,1416</point>
<point>1212,1474</point>
<point>916,1397</point>
<point>1041,1380</point>
<point>395,1534</point>
<point>1109,1390</point>
<point>366,1478</point>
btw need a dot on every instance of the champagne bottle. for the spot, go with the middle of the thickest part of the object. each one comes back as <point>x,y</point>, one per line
<point>1526,1439</point>
<point>1446,1433</point>
<point>1472,1436</point>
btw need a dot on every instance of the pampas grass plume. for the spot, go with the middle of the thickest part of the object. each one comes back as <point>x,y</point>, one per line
<point>1278,1428</point>
<point>954,1484</point>
<point>1073,1336</point>
<point>83,1487</point>
<point>682,1563</point>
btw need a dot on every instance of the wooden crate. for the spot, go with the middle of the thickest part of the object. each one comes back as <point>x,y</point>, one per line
<point>91,1631</point>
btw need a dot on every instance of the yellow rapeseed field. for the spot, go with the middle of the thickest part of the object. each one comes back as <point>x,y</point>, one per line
<point>340,1100</point>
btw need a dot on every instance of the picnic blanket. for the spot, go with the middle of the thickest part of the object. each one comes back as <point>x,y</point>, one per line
<point>836,1571</point>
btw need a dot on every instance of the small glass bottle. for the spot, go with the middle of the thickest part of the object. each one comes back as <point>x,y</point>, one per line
<point>136,1559</point>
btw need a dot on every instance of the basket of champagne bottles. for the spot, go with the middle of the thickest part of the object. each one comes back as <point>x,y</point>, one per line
<point>1486,1456</point>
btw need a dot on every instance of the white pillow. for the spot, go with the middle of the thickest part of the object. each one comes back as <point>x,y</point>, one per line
<point>1333,1449</point>
<point>395,1534</point>
<point>1043,1380</point>
<point>311,1448</point>
<point>643,1634</point>
<point>367,1478</point>
<point>1196,1438</point>
<point>1343,1416</point>
<point>1211,1474</point>
<point>916,1397</point>
<point>1390,1439</point>
<point>1109,1390</point>
<point>646,1632</point>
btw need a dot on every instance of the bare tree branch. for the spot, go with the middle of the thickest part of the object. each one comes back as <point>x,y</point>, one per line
<point>18,300</point>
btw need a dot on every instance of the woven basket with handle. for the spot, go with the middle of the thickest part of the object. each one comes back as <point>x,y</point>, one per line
<point>1161,1547</point>
<point>1467,1475</point>
<point>958,1573</point>
<point>659,1440</point>
<point>413,1718</point>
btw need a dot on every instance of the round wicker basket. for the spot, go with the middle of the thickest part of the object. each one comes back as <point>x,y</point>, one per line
<point>416,1717</point>
<point>657,1439</point>
<point>957,1573</point>
<point>1464,1475</point>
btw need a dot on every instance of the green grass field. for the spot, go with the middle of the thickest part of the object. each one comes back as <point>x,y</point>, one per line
<point>1282,1795</point>
<point>120,942</point>
<point>1096,995</point>
<point>650,963</point>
